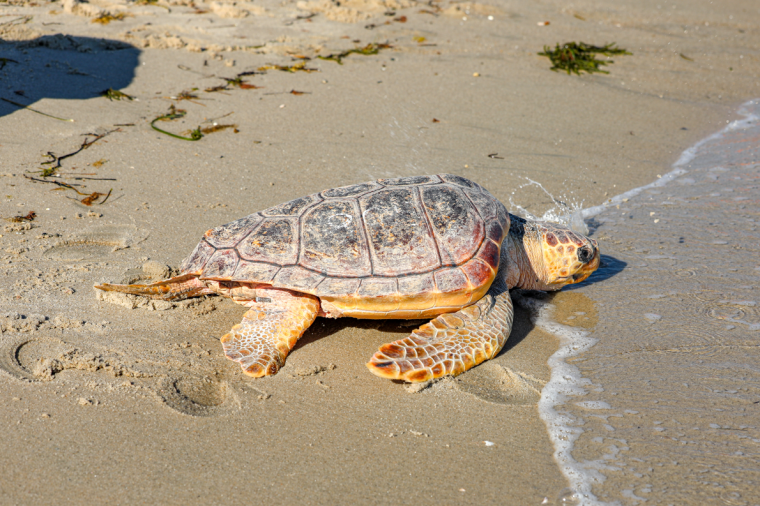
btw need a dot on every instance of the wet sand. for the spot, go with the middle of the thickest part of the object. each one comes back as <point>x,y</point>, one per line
<point>666,401</point>
<point>102,400</point>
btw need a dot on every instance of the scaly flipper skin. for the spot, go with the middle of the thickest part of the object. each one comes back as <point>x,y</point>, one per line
<point>176,288</point>
<point>451,343</point>
<point>269,330</point>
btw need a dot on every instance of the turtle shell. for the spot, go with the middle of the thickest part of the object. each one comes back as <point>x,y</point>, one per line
<point>406,247</point>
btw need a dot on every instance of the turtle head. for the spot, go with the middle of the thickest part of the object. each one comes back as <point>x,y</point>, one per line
<point>548,256</point>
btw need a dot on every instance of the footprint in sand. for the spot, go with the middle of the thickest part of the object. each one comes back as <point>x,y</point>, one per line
<point>495,383</point>
<point>96,242</point>
<point>197,396</point>
<point>42,359</point>
<point>20,356</point>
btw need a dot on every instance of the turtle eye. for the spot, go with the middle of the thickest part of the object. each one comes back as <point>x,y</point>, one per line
<point>585,254</point>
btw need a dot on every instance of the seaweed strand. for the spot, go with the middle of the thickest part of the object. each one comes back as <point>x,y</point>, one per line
<point>173,114</point>
<point>577,57</point>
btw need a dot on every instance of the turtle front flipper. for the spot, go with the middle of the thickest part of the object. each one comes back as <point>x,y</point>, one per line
<point>451,343</point>
<point>269,330</point>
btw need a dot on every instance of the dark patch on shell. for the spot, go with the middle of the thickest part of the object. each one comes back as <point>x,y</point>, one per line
<point>485,204</point>
<point>495,232</point>
<point>221,264</point>
<point>398,234</point>
<point>274,242</point>
<point>332,241</point>
<point>458,228</point>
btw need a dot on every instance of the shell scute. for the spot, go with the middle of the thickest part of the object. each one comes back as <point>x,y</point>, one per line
<point>477,272</point>
<point>378,295</point>
<point>459,180</point>
<point>255,271</point>
<point>274,241</point>
<point>353,190</point>
<point>339,286</point>
<point>410,180</point>
<point>450,280</point>
<point>489,253</point>
<point>222,264</point>
<point>484,203</point>
<point>198,258</point>
<point>495,232</point>
<point>292,208</point>
<point>227,236</point>
<point>298,277</point>
<point>400,241</point>
<point>332,239</point>
<point>458,229</point>
<point>378,287</point>
<point>420,284</point>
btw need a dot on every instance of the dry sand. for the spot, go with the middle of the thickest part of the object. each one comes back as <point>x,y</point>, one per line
<point>109,403</point>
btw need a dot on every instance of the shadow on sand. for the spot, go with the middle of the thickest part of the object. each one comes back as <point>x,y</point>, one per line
<point>609,267</point>
<point>62,67</point>
<point>522,325</point>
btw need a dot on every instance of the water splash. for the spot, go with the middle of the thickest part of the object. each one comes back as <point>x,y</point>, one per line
<point>568,213</point>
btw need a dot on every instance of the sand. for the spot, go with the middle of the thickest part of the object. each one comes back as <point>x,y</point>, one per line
<point>135,402</point>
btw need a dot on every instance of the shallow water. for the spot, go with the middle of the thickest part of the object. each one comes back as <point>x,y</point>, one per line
<point>659,401</point>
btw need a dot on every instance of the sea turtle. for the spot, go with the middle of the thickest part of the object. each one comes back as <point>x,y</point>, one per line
<point>437,246</point>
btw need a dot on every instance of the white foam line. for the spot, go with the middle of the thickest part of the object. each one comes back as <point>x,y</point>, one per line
<point>678,167</point>
<point>566,380</point>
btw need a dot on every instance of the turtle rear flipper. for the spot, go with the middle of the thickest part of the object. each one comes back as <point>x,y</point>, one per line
<point>269,330</point>
<point>451,343</point>
<point>176,288</point>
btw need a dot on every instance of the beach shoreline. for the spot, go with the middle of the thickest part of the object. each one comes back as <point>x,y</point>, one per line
<point>686,379</point>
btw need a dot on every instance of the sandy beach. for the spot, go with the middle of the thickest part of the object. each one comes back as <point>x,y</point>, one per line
<point>134,402</point>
